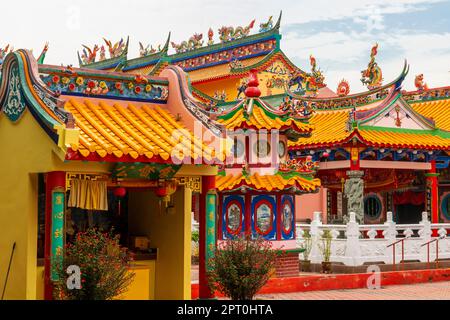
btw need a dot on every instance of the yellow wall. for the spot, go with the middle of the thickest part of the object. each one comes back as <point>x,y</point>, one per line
<point>142,287</point>
<point>25,150</point>
<point>171,234</point>
<point>229,85</point>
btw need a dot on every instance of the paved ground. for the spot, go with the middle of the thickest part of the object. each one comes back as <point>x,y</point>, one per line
<point>423,291</point>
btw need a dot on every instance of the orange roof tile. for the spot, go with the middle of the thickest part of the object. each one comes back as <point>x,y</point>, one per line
<point>141,129</point>
<point>266,182</point>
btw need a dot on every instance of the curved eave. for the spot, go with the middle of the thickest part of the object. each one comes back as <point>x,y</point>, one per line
<point>95,157</point>
<point>359,134</point>
<point>395,84</point>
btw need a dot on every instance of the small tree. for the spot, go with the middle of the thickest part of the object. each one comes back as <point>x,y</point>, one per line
<point>325,246</point>
<point>103,265</point>
<point>241,267</point>
<point>306,245</point>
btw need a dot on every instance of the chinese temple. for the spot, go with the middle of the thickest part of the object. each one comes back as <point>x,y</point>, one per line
<point>229,130</point>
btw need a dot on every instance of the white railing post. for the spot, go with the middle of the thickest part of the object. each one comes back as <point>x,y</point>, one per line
<point>352,247</point>
<point>316,255</point>
<point>425,236</point>
<point>390,235</point>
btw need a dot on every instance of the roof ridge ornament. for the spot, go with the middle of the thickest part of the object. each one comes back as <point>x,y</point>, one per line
<point>231,33</point>
<point>194,42</point>
<point>252,90</point>
<point>372,77</point>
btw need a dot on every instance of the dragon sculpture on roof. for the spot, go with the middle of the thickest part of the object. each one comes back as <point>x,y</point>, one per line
<point>372,77</point>
<point>307,83</point>
<point>230,33</point>
<point>266,26</point>
<point>194,42</point>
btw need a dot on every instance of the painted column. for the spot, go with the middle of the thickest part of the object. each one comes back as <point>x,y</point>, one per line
<point>207,230</point>
<point>432,190</point>
<point>55,188</point>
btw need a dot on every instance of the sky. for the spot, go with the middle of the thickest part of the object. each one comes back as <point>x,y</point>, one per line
<point>339,34</point>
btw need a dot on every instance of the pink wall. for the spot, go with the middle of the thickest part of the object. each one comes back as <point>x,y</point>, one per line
<point>306,204</point>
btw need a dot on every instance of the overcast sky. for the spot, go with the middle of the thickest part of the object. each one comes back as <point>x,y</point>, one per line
<point>338,33</point>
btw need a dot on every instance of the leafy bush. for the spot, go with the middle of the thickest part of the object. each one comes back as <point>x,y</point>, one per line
<point>241,267</point>
<point>103,264</point>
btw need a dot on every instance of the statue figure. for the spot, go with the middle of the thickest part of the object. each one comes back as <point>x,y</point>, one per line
<point>419,83</point>
<point>354,192</point>
<point>102,53</point>
<point>210,37</point>
<point>266,26</point>
<point>89,55</point>
<point>4,52</point>
<point>372,76</point>
<point>241,89</point>
<point>194,42</point>
<point>116,49</point>
<point>230,33</point>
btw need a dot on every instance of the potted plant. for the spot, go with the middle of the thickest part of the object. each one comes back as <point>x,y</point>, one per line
<point>306,247</point>
<point>241,267</point>
<point>103,265</point>
<point>194,245</point>
<point>325,249</point>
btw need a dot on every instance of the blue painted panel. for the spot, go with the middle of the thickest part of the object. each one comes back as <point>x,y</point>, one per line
<point>229,200</point>
<point>287,200</point>
<point>269,200</point>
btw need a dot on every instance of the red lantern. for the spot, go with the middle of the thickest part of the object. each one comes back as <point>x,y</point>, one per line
<point>120,192</point>
<point>325,154</point>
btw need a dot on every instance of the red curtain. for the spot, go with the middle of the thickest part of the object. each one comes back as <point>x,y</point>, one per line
<point>409,197</point>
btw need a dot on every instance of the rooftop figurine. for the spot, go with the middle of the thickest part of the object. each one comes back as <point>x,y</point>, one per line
<point>372,77</point>
<point>210,37</point>
<point>230,33</point>
<point>266,26</point>
<point>116,49</point>
<point>147,50</point>
<point>5,51</point>
<point>90,55</point>
<point>194,42</point>
<point>419,83</point>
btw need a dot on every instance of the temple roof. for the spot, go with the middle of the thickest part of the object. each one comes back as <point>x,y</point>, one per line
<point>256,114</point>
<point>113,129</point>
<point>106,116</point>
<point>428,125</point>
<point>277,182</point>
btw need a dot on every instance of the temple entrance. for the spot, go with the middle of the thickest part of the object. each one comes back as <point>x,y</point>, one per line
<point>409,213</point>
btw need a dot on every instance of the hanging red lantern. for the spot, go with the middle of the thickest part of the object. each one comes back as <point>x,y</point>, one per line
<point>120,192</point>
<point>325,154</point>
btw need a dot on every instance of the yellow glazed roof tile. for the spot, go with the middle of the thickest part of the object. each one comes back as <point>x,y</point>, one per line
<point>329,127</point>
<point>266,182</point>
<point>125,129</point>
<point>438,110</point>
<point>405,139</point>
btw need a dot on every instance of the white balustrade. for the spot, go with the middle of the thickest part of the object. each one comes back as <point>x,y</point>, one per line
<point>354,244</point>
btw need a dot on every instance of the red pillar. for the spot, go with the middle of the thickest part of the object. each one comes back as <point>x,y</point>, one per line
<point>54,180</point>
<point>208,184</point>
<point>432,178</point>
